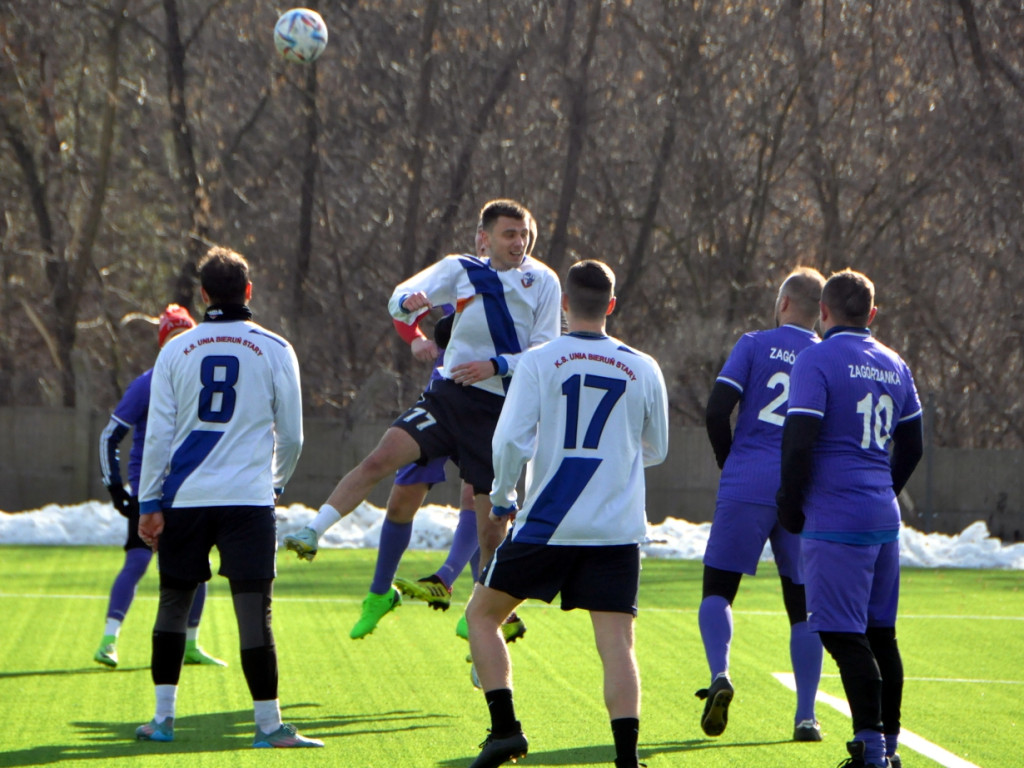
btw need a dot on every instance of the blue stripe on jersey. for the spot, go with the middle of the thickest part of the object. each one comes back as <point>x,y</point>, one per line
<point>731,382</point>
<point>858,538</point>
<point>499,319</point>
<point>264,334</point>
<point>554,502</point>
<point>190,454</point>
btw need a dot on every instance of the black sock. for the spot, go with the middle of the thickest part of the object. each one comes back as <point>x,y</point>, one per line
<point>503,712</point>
<point>259,665</point>
<point>626,732</point>
<point>168,654</point>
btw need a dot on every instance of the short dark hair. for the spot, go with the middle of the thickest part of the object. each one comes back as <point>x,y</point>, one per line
<point>589,286</point>
<point>502,207</point>
<point>850,296</point>
<point>803,287</point>
<point>224,275</point>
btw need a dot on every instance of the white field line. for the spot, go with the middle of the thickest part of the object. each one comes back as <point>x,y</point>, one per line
<point>907,738</point>
<point>902,617</point>
<point>952,680</point>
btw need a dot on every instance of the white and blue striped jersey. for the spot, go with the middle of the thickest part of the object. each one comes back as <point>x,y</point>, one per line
<point>498,314</point>
<point>588,413</point>
<point>225,419</point>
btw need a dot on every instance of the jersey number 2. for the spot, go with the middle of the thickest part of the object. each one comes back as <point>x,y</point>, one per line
<point>774,412</point>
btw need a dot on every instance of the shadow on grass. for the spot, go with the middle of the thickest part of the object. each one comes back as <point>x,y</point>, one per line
<point>209,733</point>
<point>95,670</point>
<point>605,754</point>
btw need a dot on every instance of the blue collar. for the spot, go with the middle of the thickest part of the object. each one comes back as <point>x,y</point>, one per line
<point>587,335</point>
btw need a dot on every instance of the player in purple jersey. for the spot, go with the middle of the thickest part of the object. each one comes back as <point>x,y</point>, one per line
<point>130,414</point>
<point>851,440</point>
<point>756,377</point>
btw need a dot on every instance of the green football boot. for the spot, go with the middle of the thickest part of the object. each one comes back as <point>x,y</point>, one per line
<point>374,609</point>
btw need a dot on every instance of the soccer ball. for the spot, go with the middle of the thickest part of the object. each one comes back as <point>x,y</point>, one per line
<point>300,35</point>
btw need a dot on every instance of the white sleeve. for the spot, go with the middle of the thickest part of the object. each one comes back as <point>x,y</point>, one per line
<point>436,281</point>
<point>655,433</point>
<point>287,419</point>
<point>547,325</point>
<point>515,436</point>
<point>156,451</point>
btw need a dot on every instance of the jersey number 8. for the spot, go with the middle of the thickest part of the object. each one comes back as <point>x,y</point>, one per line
<point>218,374</point>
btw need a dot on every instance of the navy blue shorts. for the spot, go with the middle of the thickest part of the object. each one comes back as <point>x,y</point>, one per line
<point>738,533</point>
<point>456,422</point>
<point>245,537</point>
<point>593,578</point>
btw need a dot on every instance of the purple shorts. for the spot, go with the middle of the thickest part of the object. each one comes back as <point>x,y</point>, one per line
<point>851,587</point>
<point>737,538</point>
<point>430,473</point>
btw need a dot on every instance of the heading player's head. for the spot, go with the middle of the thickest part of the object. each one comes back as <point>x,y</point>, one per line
<point>174,319</point>
<point>848,298</point>
<point>531,222</point>
<point>799,297</point>
<point>589,291</point>
<point>224,277</point>
<point>504,233</point>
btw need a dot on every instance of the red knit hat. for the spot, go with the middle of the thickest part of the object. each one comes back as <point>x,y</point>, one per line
<point>173,318</point>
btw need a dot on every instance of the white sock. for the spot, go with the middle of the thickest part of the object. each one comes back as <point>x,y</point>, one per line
<point>113,627</point>
<point>325,518</point>
<point>166,698</point>
<point>267,715</point>
<point>192,634</point>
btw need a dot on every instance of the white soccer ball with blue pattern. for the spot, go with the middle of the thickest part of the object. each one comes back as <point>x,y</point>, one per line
<point>300,35</point>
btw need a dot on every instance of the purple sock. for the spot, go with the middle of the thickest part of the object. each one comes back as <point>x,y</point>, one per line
<point>394,540</point>
<point>891,743</point>
<point>464,544</point>
<point>123,591</point>
<point>805,653</point>
<point>197,606</point>
<point>715,620</point>
<point>874,746</point>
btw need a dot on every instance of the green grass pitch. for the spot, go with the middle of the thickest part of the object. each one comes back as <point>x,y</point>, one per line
<point>402,696</point>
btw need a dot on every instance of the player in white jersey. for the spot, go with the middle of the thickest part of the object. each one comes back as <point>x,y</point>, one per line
<point>223,437</point>
<point>505,303</point>
<point>587,413</point>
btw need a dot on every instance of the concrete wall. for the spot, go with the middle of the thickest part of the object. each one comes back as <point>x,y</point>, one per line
<point>50,455</point>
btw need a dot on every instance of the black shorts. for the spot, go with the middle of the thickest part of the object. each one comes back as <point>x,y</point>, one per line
<point>594,578</point>
<point>245,537</point>
<point>132,540</point>
<point>458,422</point>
